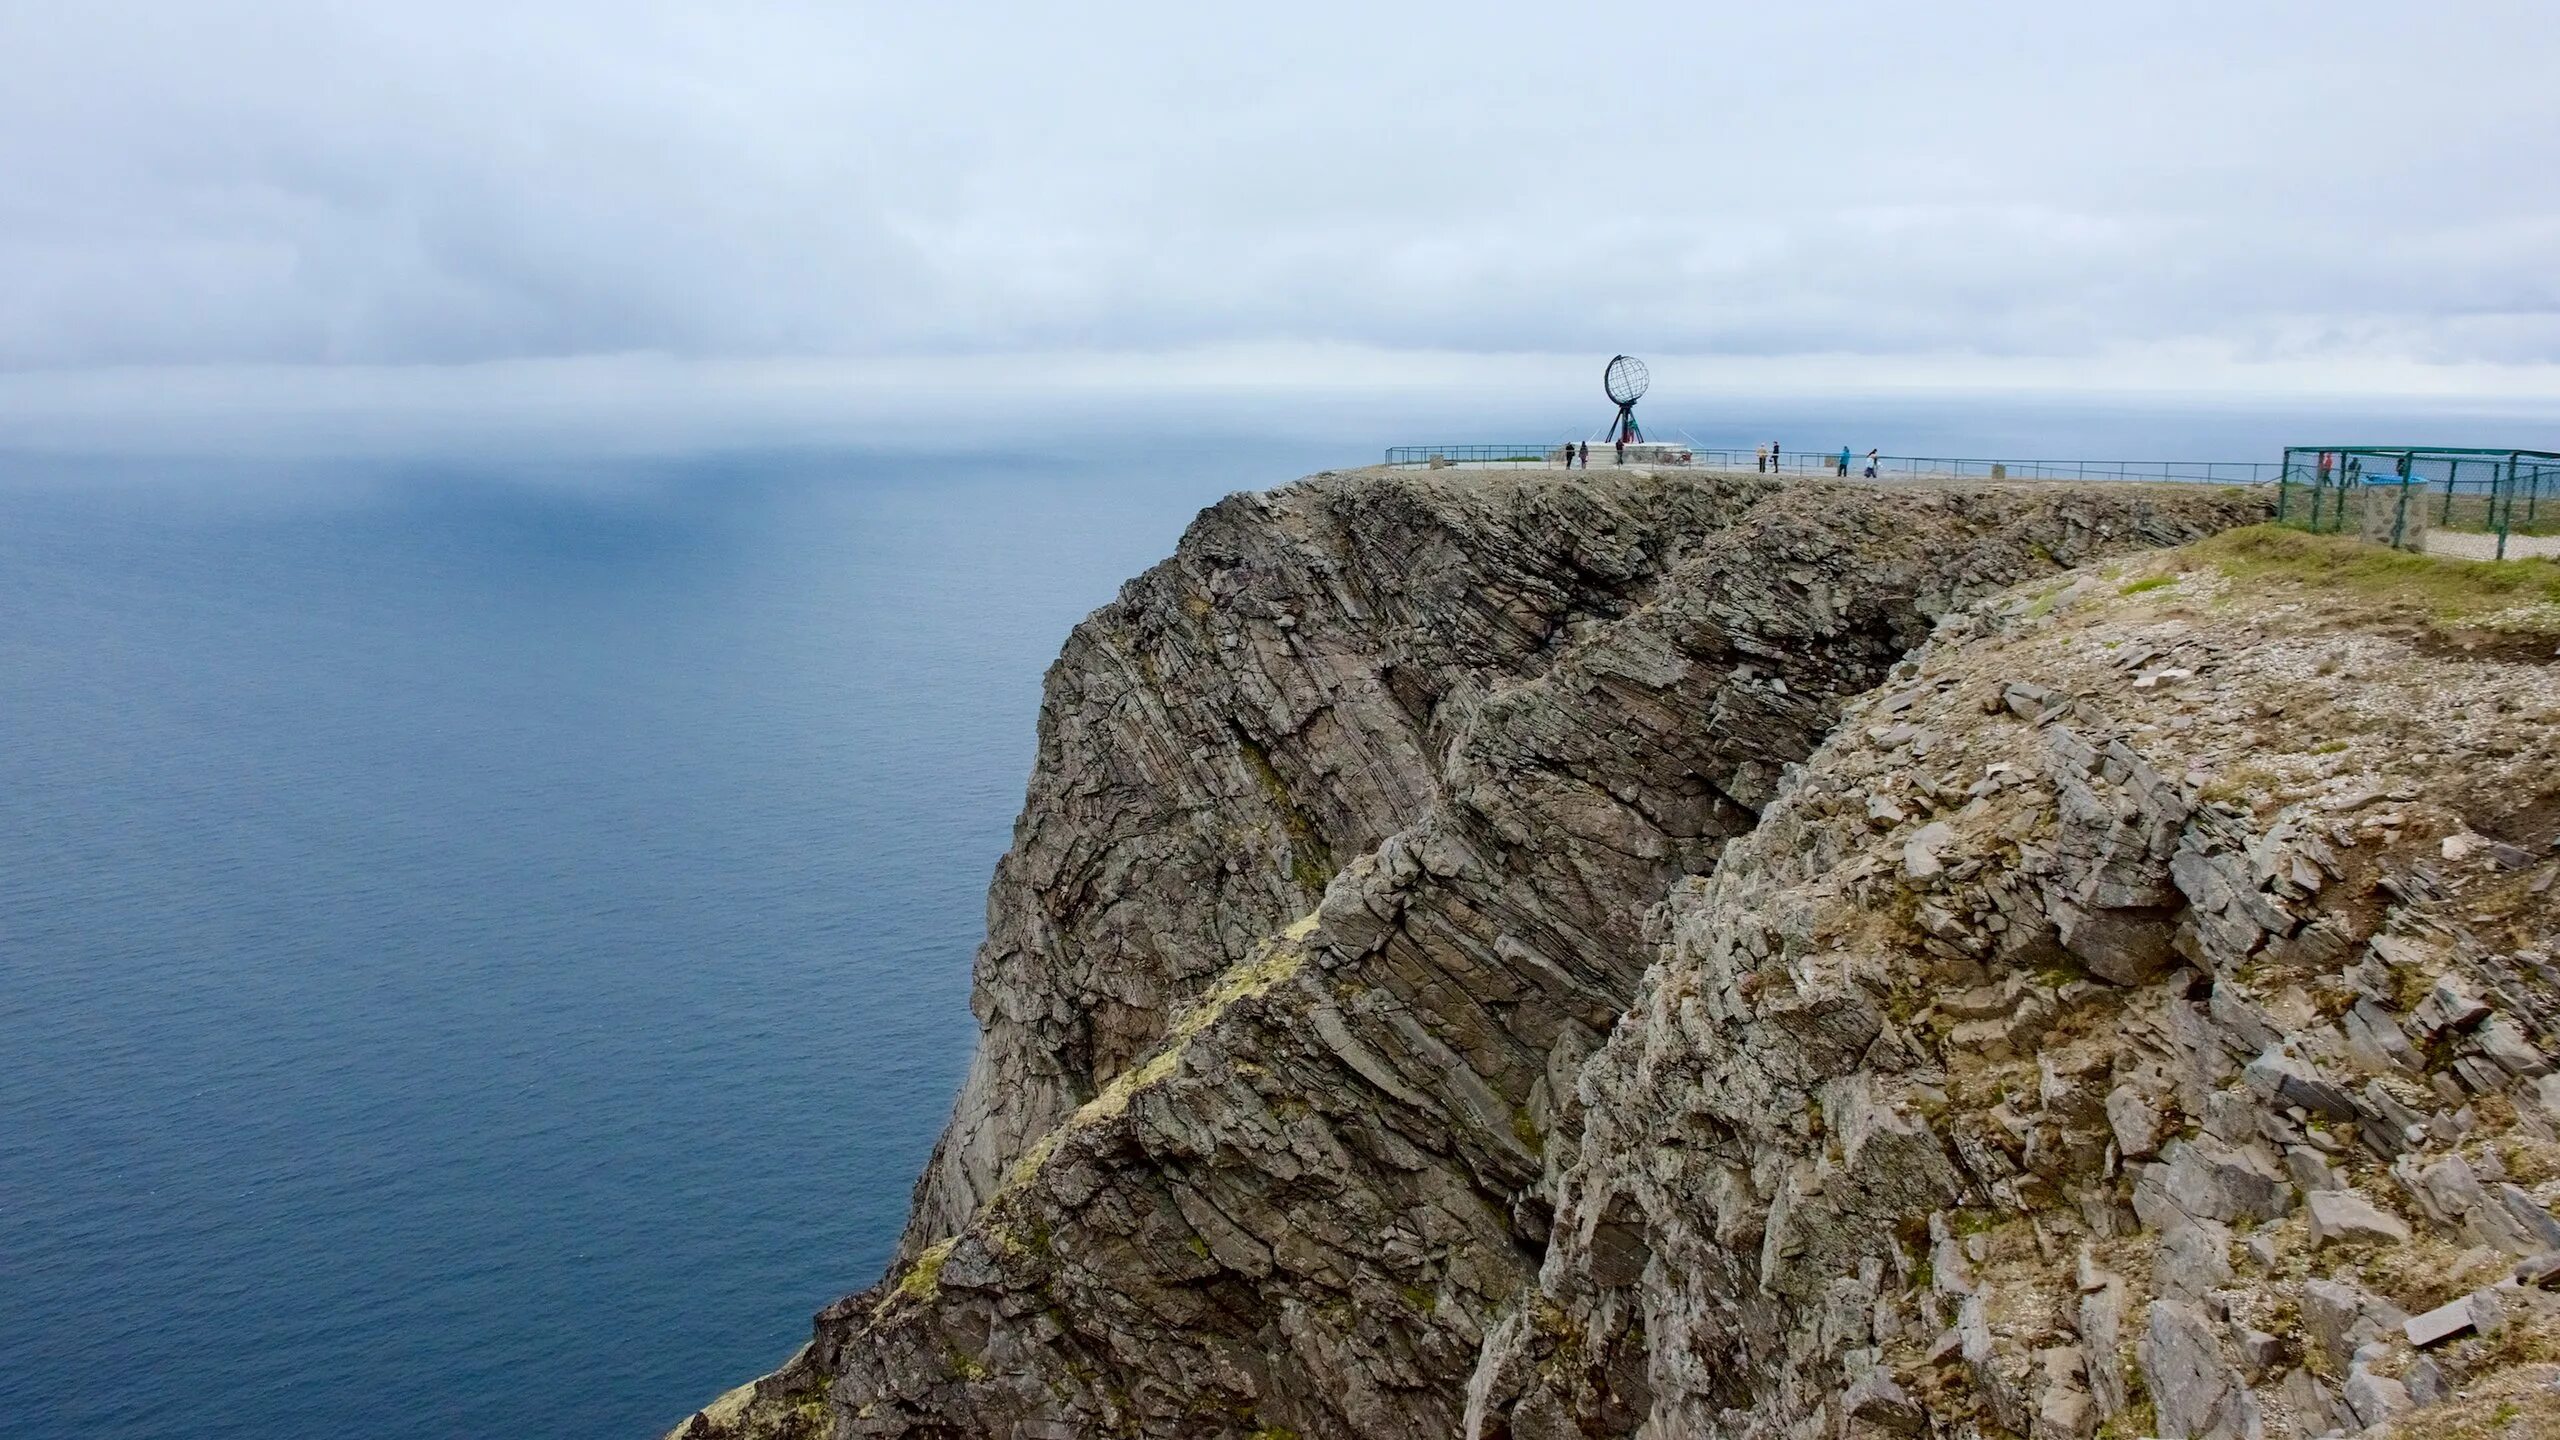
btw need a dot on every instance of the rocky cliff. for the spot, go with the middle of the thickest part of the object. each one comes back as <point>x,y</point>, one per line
<point>1518,955</point>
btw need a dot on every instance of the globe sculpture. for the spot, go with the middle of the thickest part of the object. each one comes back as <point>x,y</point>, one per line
<point>1625,380</point>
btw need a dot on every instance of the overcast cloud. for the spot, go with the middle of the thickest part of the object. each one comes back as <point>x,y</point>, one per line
<point>2356,194</point>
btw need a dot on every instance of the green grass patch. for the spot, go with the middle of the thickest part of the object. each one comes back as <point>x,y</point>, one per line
<point>2132,1421</point>
<point>921,1280</point>
<point>2444,590</point>
<point>2147,584</point>
<point>1524,1128</point>
<point>1974,1222</point>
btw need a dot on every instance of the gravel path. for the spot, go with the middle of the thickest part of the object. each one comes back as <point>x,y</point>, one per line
<point>2464,545</point>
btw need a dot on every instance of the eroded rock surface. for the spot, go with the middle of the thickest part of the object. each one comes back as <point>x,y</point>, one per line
<point>2025,1134</point>
<point>1347,1071</point>
<point>1258,711</point>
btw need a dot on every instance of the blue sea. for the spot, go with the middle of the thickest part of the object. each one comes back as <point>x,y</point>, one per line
<point>484,943</point>
<point>484,949</point>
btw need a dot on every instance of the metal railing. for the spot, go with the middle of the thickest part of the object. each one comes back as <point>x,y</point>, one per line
<point>1535,453</point>
<point>2481,492</point>
<point>2200,472</point>
<point>1898,467</point>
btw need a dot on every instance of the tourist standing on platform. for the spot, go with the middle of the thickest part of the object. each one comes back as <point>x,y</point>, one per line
<point>1622,449</point>
<point>1774,465</point>
<point>1760,459</point>
<point>1844,462</point>
<point>1586,454</point>
<point>1871,462</point>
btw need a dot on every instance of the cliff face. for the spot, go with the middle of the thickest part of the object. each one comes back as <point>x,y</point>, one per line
<point>2132,1016</point>
<point>1245,719</point>
<point>1347,1072</point>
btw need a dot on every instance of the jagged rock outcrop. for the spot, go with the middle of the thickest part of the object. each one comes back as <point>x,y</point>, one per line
<point>1336,870</point>
<point>1246,718</point>
<point>2135,1015</point>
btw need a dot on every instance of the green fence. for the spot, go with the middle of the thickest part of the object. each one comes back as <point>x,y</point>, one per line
<point>2394,493</point>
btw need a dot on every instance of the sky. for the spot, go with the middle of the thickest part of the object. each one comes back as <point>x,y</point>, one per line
<point>288,206</point>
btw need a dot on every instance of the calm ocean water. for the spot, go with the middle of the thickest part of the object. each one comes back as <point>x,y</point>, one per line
<point>484,949</point>
<point>485,952</point>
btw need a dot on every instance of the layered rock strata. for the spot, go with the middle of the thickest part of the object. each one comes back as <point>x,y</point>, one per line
<point>2135,1018</point>
<point>1245,719</point>
<point>1336,870</point>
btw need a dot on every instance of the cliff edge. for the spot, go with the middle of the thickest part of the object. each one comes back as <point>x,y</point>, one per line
<point>1430,992</point>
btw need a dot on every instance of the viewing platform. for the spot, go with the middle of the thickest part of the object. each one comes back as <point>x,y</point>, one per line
<point>1816,462</point>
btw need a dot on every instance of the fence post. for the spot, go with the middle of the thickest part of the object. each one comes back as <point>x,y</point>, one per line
<point>2400,512</point>
<point>2506,514</point>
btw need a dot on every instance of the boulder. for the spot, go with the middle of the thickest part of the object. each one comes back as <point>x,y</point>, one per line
<point>2315,1407</point>
<point>2542,1269</point>
<point>2281,1080</point>
<point>2340,1315</point>
<point>2443,1323</point>
<point>2102,1333</point>
<point>1876,1400</point>
<point>2310,1169</point>
<point>2504,1041</point>
<point>2377,1039</point>
<point>1920,853</point>
<point>2343,1215</point>
<point>2261,1354</point>
<point>2064,1407</point>
<point>2376,1398</point>
<point>2136,1123</point>
<point>2428,1384</point>
<point>2211,1180</point>
<point>2450,1005</point>
<point>2541,1099</point>
<point>2193,1260</point>
<point>2533,1229</point>
<point>2198,1395</point>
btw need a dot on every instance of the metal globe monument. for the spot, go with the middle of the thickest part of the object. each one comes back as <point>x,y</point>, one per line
<point>1625,379</point>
